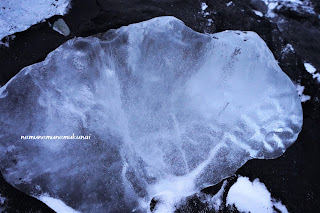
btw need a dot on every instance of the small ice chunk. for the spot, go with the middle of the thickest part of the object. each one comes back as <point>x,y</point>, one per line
<point>311,69</point>
<point>229,3</point>
<point>258,13</point>
<point>2,200</point>
<point>204,6</point>
<point>302,96</point>
<point>206,14</point>
<point>252,197</point>
<point>210,22</point>
<point>7,40</point>
<point>317,76</point>
<point>61,27</point>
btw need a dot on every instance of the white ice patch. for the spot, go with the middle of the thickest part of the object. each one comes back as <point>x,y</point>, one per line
<point>302,96</point>
<point>170,111</point>
<point>19,15</point>
<point>253,197</point>
<point>56,204</point>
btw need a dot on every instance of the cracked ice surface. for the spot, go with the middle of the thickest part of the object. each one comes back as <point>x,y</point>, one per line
<point>19,15</point>
<point>169,110</point>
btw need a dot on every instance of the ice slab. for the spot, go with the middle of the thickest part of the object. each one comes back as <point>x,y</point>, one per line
<point>19,15</point>
<point>169,112</point>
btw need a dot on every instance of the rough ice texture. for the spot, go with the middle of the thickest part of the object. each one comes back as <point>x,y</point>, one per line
<point>169,110</point>
<point>19,15</point>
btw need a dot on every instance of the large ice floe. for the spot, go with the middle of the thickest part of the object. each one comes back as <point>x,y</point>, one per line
<point>169,111</point>
<point>19,15</point>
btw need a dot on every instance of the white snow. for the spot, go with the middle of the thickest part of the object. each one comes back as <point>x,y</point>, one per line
<point>19,15</point>
<point>56,204</point>
<point>170,111</point>
<point>252,197</point>
<point>302,96</point>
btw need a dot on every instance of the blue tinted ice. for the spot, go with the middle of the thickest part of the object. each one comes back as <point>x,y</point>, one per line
<point>169,111</point>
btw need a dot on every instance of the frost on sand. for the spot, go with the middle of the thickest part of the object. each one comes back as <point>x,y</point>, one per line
<point>169,110</point>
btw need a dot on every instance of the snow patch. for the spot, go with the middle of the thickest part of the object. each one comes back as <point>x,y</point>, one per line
<point>317,76</point>
<point>311,69</point>
<point>253,197</point>
<point>2,203</point>
<point>2,200</point>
